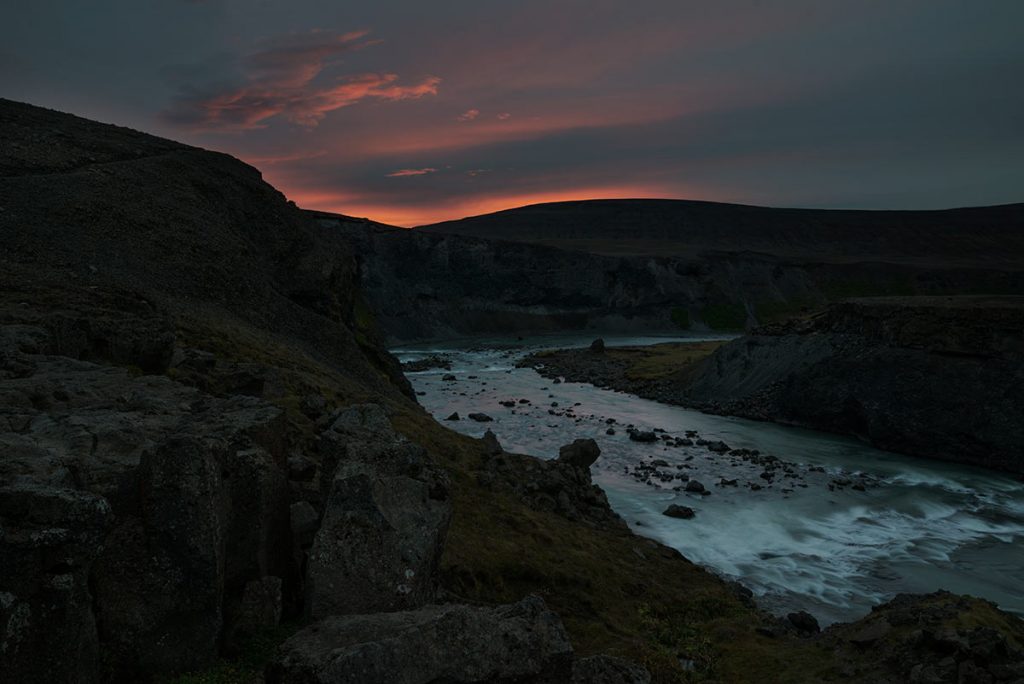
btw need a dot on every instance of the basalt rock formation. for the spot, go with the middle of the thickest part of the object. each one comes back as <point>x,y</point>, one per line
<point>669,265</point>
<point>934,377</point>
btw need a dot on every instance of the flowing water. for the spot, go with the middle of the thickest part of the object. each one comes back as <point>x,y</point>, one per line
<point>919,526</point>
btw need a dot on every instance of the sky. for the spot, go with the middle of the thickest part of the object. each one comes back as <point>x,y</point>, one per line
<point>411,112</point>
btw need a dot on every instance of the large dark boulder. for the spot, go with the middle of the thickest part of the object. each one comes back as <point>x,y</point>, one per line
<point>385,518</point>
<point>522,642</point>
<point>581,453</point>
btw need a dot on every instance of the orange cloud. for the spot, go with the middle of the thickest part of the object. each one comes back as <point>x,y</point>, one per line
<point>280,81</point>
<point>410,172</point>
<point>468,115</point>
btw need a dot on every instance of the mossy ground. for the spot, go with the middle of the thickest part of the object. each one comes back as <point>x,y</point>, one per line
<point>617,593</point>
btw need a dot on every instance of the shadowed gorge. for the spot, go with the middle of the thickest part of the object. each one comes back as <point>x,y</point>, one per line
<point>254,431</point>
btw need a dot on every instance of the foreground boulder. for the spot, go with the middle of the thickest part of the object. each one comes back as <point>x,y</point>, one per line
<point>385,518</point>
<point>135,511</point>
<point>581,453</point>
<point>521,642</point>
<point>938,637</point>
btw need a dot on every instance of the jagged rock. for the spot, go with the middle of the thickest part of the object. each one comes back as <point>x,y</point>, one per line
<point>385,518</point>
<point>677,511</point>
<point>49,541</point>
<point>581,453</point>
<point>521,642</point>
<point>804,622</point>
<point>718,447</point>
<point>643,436</point>
<point>604,669</point>
<point>491,445</point>
<point>454,416</point>
<point>552,485</point>
<point>198,491</point>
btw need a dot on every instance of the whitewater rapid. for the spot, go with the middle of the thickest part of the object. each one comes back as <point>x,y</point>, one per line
<point>925,525</point>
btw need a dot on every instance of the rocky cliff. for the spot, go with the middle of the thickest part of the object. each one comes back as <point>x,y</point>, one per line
<point>428,284</point>
<point>934,377</point>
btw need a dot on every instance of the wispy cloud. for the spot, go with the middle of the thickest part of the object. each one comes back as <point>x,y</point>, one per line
<point>411,172</point>
<point>468,115</point>
<point>287,80</point>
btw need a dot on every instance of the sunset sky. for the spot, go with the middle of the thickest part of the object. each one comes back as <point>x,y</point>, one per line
<point>411,112</point>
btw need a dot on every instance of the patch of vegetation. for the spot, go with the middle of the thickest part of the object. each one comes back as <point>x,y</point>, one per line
<point>662,360</point>
<point>681,317</point>
<point>725,316</point>
<point>847,289</point>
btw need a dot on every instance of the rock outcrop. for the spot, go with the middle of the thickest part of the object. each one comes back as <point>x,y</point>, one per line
<point>522,642</point>
<point>590,269</point>
<point>385,517</point>
<point>934,377</point>
<point>136,507</point>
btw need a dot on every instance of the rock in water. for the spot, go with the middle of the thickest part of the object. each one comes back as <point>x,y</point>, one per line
<point>695,486</point>
<point>677,511</point>
<point>454,416</point>
<point>597,346</point>
<point>643,436</point>
<point>521,642</point>
<point>581,453</point>
<point>480,417</point>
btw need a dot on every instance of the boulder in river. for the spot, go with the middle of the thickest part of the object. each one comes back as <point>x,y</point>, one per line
<point>695,487</point>
<point>643,436</point>
<point>677,511</point>
<point>581,453</point>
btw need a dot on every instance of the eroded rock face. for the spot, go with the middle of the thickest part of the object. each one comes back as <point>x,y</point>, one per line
<point>386,514</point>
<point>561,485</point>
<point>522,642</point>
<point>608,670</point>
<point>135,510</point>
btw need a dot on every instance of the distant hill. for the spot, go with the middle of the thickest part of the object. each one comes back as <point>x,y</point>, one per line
<point>976,236</point>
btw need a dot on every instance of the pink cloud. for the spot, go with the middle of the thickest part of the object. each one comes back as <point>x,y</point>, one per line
<point>284,81</point>
<point>504,116</point>
<point>468,115</point>
<point>401,173</point>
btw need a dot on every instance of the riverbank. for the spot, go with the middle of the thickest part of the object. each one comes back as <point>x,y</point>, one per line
<point>939,378</point>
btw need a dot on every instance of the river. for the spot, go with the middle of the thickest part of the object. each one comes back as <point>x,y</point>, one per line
<point>919,526</point>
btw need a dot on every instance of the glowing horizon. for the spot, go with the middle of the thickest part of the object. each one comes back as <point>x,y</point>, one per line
<point>412,113</point>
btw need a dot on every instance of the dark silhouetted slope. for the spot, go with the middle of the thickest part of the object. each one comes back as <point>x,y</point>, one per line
<point>978,236</point>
